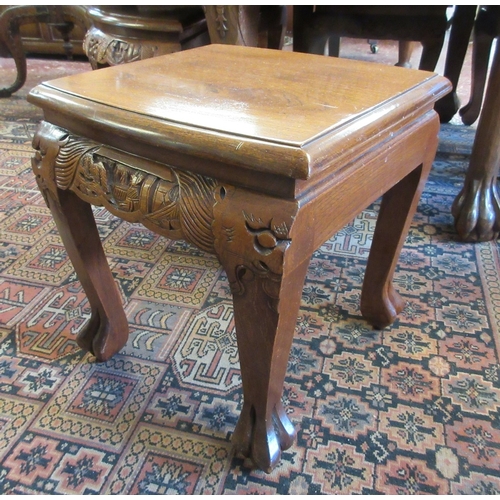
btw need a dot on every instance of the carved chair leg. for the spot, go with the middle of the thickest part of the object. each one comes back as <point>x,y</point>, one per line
<point>431,49</point>
<point>461,29</point>
<point>64,18</point>
<point>481,50</point>
<point>380,303</point>
<point>107,331</point>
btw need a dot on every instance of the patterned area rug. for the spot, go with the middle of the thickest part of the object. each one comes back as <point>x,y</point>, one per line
<point>414,408</point>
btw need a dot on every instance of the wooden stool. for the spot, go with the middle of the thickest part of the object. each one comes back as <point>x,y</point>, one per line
<point>255,155</point>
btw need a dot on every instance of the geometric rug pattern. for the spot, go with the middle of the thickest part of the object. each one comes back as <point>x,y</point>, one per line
<point>411,409</point>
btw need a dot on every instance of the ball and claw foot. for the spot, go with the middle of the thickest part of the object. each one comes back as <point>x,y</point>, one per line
<point>476,211</point>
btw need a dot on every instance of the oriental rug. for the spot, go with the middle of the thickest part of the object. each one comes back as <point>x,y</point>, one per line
<point>414,408</point>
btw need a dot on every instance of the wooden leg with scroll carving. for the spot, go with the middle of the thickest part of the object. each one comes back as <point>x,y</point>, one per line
<point>380,303</point>
<point>266,272</point>
<point>107,330</point>
<point>62,18</point>
<point>11,43</point>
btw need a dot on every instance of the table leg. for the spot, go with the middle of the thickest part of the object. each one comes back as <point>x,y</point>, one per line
<point>11,41</point>
<point>484,35</point>
<point>476,209</point>
<point>107,330</point>
<point>380,303</point>
<point>63,18</point>
<point>461,28</point>
<point>405,51</point>
<point>266,272</point>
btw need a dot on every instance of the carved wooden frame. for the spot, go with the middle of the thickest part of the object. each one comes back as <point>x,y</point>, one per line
<point>249,232</point>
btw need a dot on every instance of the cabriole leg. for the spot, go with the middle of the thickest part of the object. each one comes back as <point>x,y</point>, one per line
<point>107,331</point>
<point>380,303</point>
<point>266,273</point>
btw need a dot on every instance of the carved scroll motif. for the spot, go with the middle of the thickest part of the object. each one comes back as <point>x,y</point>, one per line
<point>106,50</point>
<point>179,205</point>
<point>217,218</point>
<point>269,243</point>
<point>221,21</point>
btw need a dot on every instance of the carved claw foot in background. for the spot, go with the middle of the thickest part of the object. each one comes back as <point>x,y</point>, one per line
<point>476,210</point>
<point>477,207</point>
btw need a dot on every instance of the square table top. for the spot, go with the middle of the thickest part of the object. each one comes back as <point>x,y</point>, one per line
<point>266,99</point>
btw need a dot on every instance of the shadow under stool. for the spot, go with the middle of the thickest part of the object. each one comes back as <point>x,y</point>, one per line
<point>257,156</point>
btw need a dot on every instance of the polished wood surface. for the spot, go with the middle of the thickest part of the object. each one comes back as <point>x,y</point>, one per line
<point>263,103</point>
<point>290,155</point>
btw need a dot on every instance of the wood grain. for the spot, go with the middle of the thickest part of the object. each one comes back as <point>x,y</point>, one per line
<point>256,155</point>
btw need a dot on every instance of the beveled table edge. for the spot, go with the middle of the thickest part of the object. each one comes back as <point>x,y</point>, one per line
<point>291,160</point>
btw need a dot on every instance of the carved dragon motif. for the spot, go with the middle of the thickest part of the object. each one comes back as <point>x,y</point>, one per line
<point>179,205</point>
<point>252,246</point>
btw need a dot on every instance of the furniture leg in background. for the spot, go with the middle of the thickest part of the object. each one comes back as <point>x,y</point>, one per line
<point>476,209</point>
<point>62,17</point>
<point>460,33</point>
<point>486,29</point>
<point>249,25</point>
<point>315,26</point>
